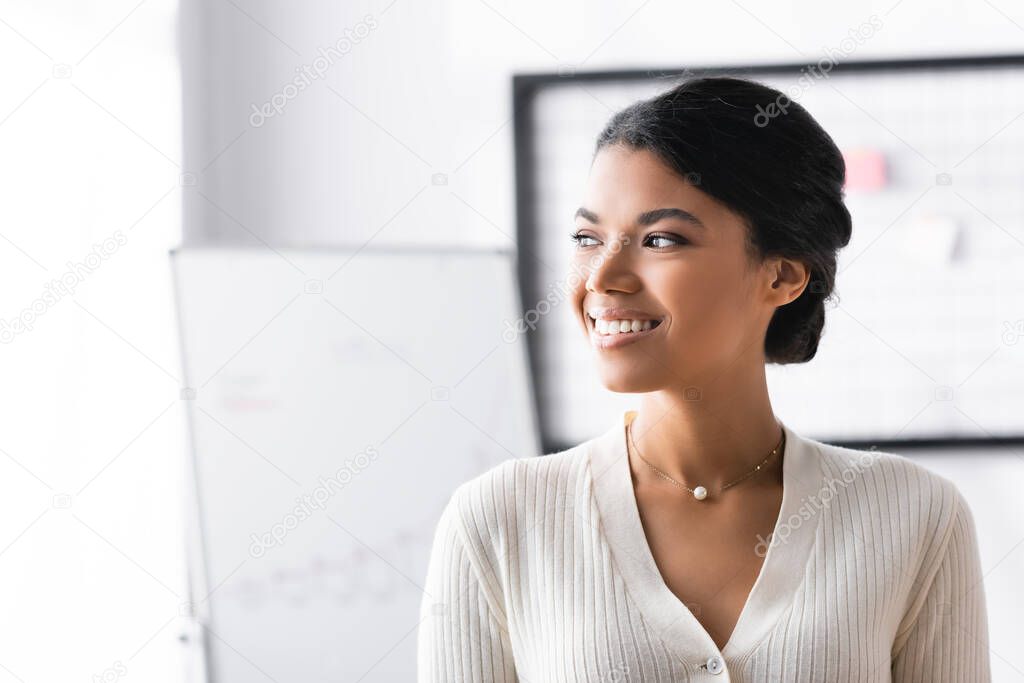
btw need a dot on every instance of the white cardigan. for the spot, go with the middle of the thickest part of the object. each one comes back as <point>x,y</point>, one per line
<point>540,571</point>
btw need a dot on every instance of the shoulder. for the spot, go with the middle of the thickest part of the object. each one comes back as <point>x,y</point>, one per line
<point>516,493</point>
<point>521,480</point>
<point>920,504</point>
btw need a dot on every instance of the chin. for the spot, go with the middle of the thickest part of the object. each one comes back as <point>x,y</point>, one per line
<point>621,380</point>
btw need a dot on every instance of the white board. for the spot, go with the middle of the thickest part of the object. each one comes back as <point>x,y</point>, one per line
<point>925,339</point>
<point>336,398</point>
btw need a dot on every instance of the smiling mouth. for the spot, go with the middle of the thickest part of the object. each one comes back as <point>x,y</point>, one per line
<point>611,328</point>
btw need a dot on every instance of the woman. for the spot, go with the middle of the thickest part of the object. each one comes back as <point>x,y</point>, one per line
<point>700,537</point>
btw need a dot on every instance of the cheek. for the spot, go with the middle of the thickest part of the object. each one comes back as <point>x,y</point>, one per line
<point>577,292</point>
<point>709,302</point>
<point>577,287</point>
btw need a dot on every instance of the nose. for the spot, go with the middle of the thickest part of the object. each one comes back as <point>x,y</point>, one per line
<point>611,270</point>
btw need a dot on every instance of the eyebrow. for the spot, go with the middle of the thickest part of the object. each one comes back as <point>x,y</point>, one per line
<point>648,217</point>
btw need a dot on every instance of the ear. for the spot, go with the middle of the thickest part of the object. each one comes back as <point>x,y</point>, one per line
<point>787,279</point>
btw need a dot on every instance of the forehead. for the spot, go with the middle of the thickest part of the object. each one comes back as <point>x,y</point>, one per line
<point>624,183</point>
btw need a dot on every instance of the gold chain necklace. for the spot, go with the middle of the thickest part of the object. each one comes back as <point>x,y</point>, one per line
<point>700,493</point>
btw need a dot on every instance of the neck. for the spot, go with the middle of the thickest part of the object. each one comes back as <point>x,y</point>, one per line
<point>710,439</point>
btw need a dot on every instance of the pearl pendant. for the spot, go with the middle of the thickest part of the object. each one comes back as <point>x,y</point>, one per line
<point>700,493</point>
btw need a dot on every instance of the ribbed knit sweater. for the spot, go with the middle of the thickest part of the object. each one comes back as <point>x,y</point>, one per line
<point>540,571</point>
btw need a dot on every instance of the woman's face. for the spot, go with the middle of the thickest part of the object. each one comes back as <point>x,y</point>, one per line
<point>652,242</point>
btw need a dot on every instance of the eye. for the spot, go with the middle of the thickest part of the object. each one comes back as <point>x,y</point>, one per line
<point>578,237</point>
<point>668,240</point>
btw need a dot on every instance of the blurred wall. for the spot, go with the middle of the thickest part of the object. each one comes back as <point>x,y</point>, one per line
<point>411,90</point>
<point>91,450</point>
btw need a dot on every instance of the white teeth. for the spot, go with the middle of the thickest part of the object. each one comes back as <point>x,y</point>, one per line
<point>622,326</point>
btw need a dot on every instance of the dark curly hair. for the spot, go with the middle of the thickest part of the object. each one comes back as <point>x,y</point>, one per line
<point>762,155</point>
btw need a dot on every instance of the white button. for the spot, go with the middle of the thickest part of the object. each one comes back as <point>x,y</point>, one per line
<point>715,664</point>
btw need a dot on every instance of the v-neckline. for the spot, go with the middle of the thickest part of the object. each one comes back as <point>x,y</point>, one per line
<point>781,572</point>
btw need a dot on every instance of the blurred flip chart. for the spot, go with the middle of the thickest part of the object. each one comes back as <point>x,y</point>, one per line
<point>335,399</point>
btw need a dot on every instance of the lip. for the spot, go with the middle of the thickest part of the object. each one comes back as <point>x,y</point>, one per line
<point>614,341</point>
<point>621,314</point>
